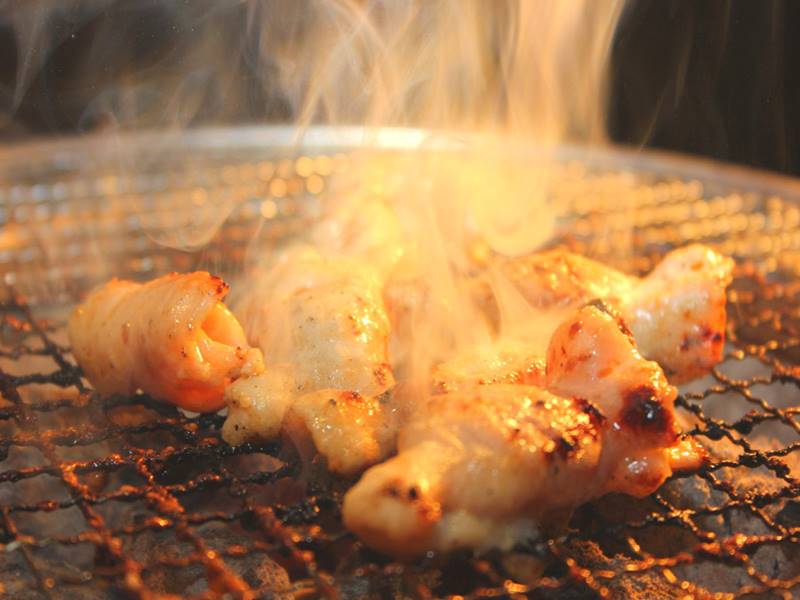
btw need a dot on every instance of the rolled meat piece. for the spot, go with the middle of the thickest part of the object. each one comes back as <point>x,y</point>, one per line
<point>172,337</point>
<point>321,317</point>
<point>322,325</point>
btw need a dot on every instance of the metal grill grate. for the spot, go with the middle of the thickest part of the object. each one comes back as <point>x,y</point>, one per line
<point>129,497</point>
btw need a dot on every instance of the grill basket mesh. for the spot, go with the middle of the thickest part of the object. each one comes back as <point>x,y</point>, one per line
<point>132,498</point>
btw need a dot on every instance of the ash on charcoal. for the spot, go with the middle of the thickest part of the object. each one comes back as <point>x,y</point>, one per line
<point>257,569</point>
<point>16,578</point>
<point>395,583</point>
<point>716,577</point>
<point>72,565</point>
<point>18,457</point>
<point>649,584</point>
<point>778,561</point>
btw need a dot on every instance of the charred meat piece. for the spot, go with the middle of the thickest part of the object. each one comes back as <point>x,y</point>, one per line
<point>676,313</point>
<point>594,356</point>
<point>488,465</point>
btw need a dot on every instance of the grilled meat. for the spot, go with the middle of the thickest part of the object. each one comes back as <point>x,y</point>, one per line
<point>171,337</point>
<point>350,430</point>
<point>485,466</point>
<point>324,331</point>
<point>676,313</point>
<point>324,318</point>
<point>504,361</point>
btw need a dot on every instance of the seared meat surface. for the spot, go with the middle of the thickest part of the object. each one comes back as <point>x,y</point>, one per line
<point>350,430</point>
<point>323,319</point>
<point>484,466</point>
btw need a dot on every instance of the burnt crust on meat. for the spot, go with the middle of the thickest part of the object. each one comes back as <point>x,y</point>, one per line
<point>596,416</point>
<point>644,412</point>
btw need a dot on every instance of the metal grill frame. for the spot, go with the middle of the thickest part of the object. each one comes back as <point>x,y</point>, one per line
<point>301,536</point>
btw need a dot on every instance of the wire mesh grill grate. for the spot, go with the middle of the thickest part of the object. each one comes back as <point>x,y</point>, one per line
<point>129,497</point>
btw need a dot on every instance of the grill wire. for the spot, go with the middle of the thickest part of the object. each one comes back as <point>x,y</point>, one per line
<point>128,497</point>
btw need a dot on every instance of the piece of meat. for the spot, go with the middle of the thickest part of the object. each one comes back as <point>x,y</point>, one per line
<point>323,327</point>
<point>487,466</point>
<point>594,356</point>
<point>350,430</point>
<point>257,405</point>
<point>676,313</point>
<point>322,317</point>
<point>172,337</point>
<point>339,337</point>
<point>475,468</point>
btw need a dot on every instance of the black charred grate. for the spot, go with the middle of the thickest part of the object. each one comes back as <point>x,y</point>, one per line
<point>132,496</point>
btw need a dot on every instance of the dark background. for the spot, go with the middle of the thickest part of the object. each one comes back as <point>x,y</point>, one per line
<point>710,77</point>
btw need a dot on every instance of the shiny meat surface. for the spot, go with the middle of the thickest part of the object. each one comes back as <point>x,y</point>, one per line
<point>323,318</point>
<point>485,466</point>
<point>676,313</point>
<point>323,327</point>
<point>339,335</point>
<point>594,356</point>
<point>171,337</point>
<point>501,362</point>
<point>472,467</point>
<point>350,430</point>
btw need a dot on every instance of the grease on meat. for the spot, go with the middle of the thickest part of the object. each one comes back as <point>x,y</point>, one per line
<point>350,430</point>
<point>324,319</point>
<point>504,361</point>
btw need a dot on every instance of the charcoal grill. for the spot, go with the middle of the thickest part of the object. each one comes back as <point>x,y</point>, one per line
<point>128,497</point>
